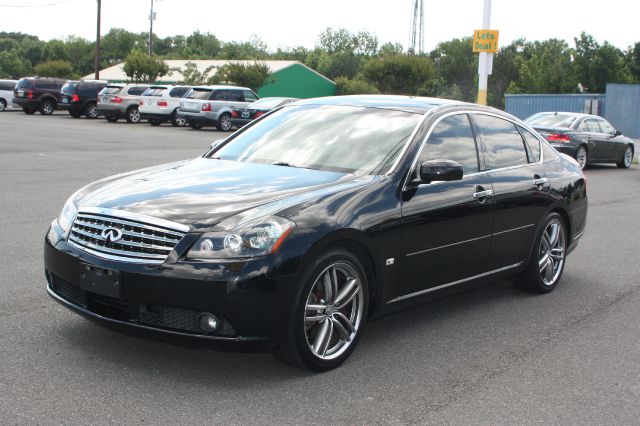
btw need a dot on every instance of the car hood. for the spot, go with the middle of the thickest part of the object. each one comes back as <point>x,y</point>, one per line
<point>200,193</point>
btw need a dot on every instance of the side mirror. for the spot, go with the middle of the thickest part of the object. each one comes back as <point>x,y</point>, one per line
<point>217,143</point>
<point>617,133</point>
<point>440,170</point>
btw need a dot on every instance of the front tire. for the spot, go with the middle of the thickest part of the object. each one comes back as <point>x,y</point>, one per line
<point>224,122</point>
<point>133,115</point>
<point>47,107</point>
<point>91,111</point>
<point>177,121</point>
<point>3,105</point>
<point>329,313</point>
<point>627,158</point>
<point>581,156</point>
<point>547,261</point>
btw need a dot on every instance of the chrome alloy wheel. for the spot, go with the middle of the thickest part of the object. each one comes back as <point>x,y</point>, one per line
<point>628,157</point>
<point>334,310</point>
<point>552,252</point>
<point>225,122</point>
<point>581,156</point>
<point>134,115</point>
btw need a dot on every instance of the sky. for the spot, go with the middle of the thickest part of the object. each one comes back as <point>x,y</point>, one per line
<point>288,23</point>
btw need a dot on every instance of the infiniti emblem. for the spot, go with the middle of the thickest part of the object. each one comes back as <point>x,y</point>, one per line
<point>111,235</point>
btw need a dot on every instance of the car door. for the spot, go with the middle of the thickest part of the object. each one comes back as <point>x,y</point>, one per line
<point>519,189</point>
<point>611,141</point>
<point>446,225</point>
<point>597,142</point>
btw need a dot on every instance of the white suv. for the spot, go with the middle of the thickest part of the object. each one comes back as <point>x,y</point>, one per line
<point>6,94</point>
<point>160,104</point>
<point>213,105</point>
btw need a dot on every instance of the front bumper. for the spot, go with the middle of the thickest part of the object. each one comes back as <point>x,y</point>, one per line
<point>165,300</point>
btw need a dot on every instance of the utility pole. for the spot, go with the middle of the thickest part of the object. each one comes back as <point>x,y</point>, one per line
<point>151,17</point>
<point>97,62</point>
<point>485,64</point>
<point>416,36</point>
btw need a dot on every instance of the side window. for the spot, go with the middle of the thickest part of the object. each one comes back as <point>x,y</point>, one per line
<point>236,96</point>
<point>533,145</point>
<point>6,86</point>
<point>605,127</point>
<point>590,126</point>
<point>503,143</point>
<point>220,95</point>
<point>452,139</point>
<point>178,92</point>
<point>249,96</point>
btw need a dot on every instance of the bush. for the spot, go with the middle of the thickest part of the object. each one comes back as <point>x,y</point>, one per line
<point>141,67</point>
<point>356,86</point>
<point>60,69</point>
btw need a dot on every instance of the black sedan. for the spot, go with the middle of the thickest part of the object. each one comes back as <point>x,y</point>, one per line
<point>587,138</point>
<point>242,116</point>
<point>295,230</point>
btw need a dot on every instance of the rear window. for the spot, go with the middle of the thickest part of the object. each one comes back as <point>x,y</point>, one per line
<point>178,92</point>
<point>504,146</point>
<point>23,84</point>
<point>551,120</point>
<point>137,90</point>
<point>69,88</point>
<point>7,85</point>
<point>202,94</point>
<point>111,90</point>
<point>154,91</point>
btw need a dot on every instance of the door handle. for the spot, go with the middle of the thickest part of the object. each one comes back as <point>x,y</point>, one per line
<point>539,182</point>
<point>481,195</point>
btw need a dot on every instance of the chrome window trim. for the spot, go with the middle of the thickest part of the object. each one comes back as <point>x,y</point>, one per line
<point>480,147</point>
<point>440,287</point>
<point>137,217</point>
<point>410,141</point>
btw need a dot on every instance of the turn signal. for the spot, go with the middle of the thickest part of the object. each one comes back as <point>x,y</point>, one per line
<point>558,138</point>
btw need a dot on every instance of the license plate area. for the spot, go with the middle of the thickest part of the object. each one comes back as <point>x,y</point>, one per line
<point>245,114</point>
<point>100,281</point>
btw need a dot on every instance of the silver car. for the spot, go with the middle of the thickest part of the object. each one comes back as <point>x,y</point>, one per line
<point>6,94</point>
<point>213,105</point>
<point>117,101</point>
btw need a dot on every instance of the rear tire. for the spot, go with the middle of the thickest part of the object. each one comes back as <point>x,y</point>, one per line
<point>177,121</point>
<point>47,107</point>
<point>224,122</point>
<point>627,158</point>
<point>581,156</point>
<point>547,261</point>
<point>3,105</point>
<point>133,115</point>
<point>91,111</point>
<point>328,318</point>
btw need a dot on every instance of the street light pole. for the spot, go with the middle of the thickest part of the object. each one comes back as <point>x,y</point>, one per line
<point>485,63</point>
<point>151,29</point>
<point>97,61</point>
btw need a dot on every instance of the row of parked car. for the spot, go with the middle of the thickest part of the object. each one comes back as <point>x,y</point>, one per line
<point>196,106</point>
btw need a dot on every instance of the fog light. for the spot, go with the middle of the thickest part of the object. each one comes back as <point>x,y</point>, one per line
<point>208,322</point>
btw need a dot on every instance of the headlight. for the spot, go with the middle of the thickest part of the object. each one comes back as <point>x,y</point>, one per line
<point>256,238</point>
<point>67,215</point>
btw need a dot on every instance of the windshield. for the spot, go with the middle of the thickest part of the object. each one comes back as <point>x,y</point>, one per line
<point>325,137</point>
<point>202,94</point>
<point>266,103</point>
<point>23,84</point>
<point>154,91</point>
<point>551,120</point>
<point>69,88</point>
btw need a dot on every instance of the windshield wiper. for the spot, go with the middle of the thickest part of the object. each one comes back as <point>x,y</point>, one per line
<point>283,163</point>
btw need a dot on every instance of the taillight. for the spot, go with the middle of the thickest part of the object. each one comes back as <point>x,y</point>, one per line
<point>30,94</point>
<point>162,103</point>
<point>116,100</point>
<point>206,107</point>
<point>559,138</point>
<point>234,114</point>
<point>141,102</point>
<point>258,114</point>
<point>75,98</point>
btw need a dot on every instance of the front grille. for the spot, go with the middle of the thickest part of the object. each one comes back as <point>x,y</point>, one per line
<point>178,319</point>
<point>145,240</point>
<point>68,291</point>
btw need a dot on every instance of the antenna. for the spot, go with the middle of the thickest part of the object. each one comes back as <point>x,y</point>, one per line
<point>416,37</point>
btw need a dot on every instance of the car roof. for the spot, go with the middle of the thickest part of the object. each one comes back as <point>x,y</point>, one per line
<point>214,87</point>
<point>415,104</point>
<point>568,114</point>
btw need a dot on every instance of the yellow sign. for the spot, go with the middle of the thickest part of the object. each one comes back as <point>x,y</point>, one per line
<point>485,41</point>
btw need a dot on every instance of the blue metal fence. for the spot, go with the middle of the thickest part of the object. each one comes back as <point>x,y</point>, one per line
<point>623,108</point>
<point>522,106</point>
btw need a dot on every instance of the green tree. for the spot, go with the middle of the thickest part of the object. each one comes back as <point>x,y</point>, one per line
<point>11,65</point>
<point>399,74</point>
<point>356,86</point>
<point>117,44</point>
<point>252,76</point>
<point>60,69</point>
<point>458,66</point>
<point>193,76</point>
<point>252,49</point>
<point>632,60</point>
<point>144,68</point>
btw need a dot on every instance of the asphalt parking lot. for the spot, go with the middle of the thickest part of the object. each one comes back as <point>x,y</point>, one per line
<point>491,356</point>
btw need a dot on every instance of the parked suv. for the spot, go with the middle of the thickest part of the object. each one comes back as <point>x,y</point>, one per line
<point>160,104</point>
<point>6,94</point>
<point>79,97</point>
<point>117,101</point>
<point>213,105</point>
<point>38,94</point>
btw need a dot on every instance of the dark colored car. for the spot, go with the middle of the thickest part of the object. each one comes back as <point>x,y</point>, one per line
<point>80,97</point>
<point>38,94</point>
<point>587,138</point>
<point>292,232</point>
<point>242,116</point>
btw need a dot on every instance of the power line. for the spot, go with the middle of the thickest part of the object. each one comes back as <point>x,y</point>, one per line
<point>35,5</point>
